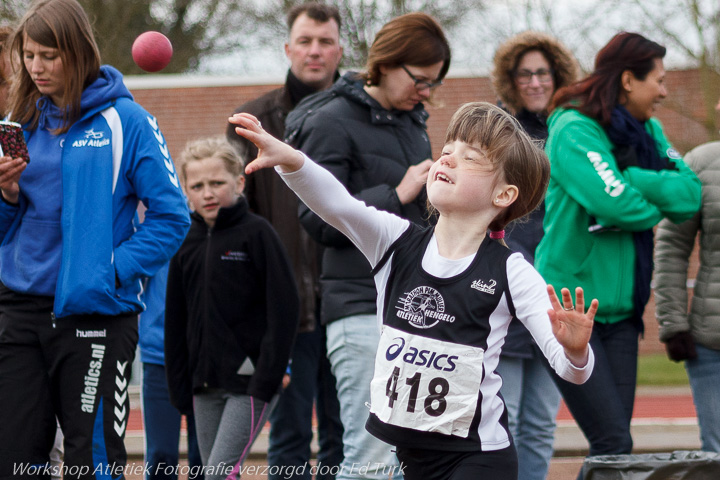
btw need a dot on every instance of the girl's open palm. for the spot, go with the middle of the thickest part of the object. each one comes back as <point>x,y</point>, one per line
<point>271,151</point>
<point>572,326</point>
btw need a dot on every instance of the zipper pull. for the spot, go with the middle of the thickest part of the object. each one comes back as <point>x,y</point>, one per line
<point>52,318</point>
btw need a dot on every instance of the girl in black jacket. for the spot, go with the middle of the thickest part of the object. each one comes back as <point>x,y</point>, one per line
<point>231,311</point>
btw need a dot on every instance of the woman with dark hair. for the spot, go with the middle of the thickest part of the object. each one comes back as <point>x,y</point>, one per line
<point>72,255</point>
<point>614,176</point>
<point>528,69</point>
<point>369,130</point>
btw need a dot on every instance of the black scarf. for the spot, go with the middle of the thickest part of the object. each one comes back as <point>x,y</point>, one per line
<point>534,124</point>
<point>298,90</point>
<point>635,147</point>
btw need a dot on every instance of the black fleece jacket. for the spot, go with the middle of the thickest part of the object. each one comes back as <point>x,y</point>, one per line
<point>231,297</point>
<point>369,149</point>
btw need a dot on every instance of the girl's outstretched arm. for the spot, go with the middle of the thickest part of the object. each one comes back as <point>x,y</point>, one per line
<point>572,326</point>
<point>370,229</point>
<point>271,151</point>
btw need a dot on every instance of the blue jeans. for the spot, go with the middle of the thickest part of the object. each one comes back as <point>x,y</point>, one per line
<point>603,406</point>
<point>704,375</point>
<point>532,401</point>
<point>351,344</point>
<point>291,420</point>
<point>162,428</point>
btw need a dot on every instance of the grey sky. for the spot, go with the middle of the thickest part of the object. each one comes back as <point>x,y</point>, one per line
<point>583,25</point>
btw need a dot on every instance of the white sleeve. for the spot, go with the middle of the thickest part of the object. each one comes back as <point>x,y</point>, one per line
<point>530,297</point>
<point>371,230</point>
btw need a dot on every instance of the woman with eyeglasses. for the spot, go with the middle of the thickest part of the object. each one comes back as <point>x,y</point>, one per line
<point>614,176</point>
<point>369,130</point>
<point>527,70</point>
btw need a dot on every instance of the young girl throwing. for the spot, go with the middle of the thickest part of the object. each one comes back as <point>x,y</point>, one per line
<point>447,293</point>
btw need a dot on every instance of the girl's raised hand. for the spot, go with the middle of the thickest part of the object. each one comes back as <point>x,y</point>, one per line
<point>572,326</point>
<point>271,151</point>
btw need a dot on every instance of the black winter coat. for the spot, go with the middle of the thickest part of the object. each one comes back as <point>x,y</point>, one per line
<point>369,149</point>
<point>269,197</point>
<point>230,297</point>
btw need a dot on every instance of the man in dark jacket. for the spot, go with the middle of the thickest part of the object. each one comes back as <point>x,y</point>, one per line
<point>314,52</point>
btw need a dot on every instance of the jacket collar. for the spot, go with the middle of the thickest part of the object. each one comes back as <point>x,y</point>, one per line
<point>99,95</point>
<point>296,90</point>
<point>535,124</point>
<point>350,86</point>
<point>227,216</point>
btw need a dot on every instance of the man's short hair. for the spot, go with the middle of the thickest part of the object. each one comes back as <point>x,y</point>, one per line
<point>320,12</point>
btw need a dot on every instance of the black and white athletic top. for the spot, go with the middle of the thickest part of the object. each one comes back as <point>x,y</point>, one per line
<point>443,323</point>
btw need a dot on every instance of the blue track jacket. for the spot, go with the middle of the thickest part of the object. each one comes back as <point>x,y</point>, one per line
<point>113,157</point>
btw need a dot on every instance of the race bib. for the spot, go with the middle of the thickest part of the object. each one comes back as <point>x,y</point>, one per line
<point>425,384</point>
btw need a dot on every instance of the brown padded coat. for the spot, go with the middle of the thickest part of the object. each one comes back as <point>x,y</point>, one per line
<point>506,58</point>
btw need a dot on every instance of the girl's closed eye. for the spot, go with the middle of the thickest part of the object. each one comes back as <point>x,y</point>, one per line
<point>478,162</point>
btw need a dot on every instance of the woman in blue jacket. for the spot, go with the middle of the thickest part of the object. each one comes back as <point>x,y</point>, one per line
<point>73,255</point>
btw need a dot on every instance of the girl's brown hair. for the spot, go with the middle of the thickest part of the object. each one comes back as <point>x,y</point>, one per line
<point>411,39</point>
<point>597,94</point>
<point>64,25</point>
<point>504,142</point>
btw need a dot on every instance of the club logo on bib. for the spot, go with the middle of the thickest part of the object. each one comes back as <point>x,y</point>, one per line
<point>423,307</point>
<point>481,286</point>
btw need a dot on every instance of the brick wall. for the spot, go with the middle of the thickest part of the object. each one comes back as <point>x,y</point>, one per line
<point>194,107</point>
<point>200,106</point>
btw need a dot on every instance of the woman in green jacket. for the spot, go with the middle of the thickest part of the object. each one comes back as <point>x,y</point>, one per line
<point>614,176</point>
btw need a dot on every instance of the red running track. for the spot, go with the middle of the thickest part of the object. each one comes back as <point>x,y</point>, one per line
<point>653,406</point>
<point>646,406</point>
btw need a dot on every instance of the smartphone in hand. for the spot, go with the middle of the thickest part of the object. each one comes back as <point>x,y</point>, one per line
<point>12,141</point>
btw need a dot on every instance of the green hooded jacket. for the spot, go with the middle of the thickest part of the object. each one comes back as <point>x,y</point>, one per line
<point>587,189</point>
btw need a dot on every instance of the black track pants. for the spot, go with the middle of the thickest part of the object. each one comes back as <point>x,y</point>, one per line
<point>75,368</point>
